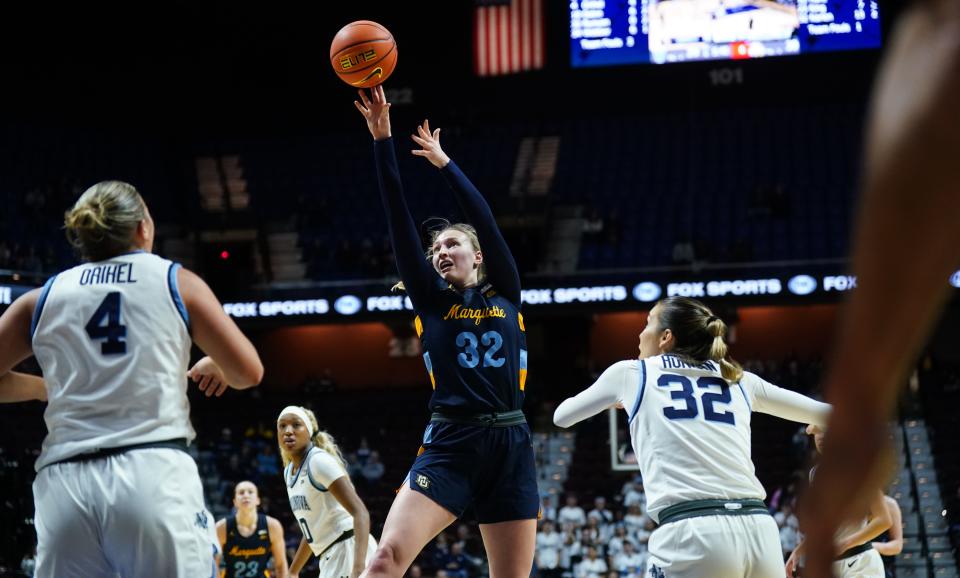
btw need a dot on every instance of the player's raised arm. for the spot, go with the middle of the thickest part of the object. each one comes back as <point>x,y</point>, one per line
<point>416,273</point>
<point>501,266</point>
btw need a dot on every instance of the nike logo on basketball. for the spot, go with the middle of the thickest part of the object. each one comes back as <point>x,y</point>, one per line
<point>376,72</point>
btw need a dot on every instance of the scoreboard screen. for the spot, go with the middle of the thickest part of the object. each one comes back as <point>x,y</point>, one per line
<point>617,32</point>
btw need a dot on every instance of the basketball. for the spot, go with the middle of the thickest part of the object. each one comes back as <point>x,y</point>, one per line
<point>363,54</point>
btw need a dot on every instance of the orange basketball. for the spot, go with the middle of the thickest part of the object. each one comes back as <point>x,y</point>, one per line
<point>363,54</point>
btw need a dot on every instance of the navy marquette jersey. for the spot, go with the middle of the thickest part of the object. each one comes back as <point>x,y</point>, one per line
<point>474,342</point>
<point>474,345</point>
<point>247,556</point>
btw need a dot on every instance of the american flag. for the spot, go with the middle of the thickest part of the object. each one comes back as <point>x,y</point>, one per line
<point>507,36</point>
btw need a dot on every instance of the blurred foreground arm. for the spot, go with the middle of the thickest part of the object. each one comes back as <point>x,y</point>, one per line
<point>907,245</point>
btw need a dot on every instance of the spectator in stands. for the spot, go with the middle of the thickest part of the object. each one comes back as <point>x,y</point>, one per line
<point>790,536</point>
<point>644,533</point>
<point>29,563</point>
<point>630,563</point>
<point>548,510</point>
<point>268,465</point>
<point>592,566</point>
<point>572,551</point>
<point>5,255</point>
<point>633,494</point>
<point>635,519</point>
<point>683,252</point>
<point>471,543</point>
<point>456,563</point>
<point>593,534</point>
<point>363,452</point>
<point>372,470</point>
<point>593,226</point>
<point>438,551</point>
<point>571,513</point>
<point>619,538</point>
<point>600,511</point>
<point>549,544</point>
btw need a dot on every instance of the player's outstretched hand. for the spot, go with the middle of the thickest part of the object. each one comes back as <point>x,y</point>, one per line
<point>430,145</point>
<point>208,374</point>
<point>376,110</point>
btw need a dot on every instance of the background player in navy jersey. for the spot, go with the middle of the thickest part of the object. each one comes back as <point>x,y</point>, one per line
<point>249,538</point>
<point>116,491</point>
<point>477,451</point>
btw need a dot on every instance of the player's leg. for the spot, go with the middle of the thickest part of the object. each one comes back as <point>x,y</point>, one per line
<point>158,524</point>
<point>510,547</point>
<point>413,520</point>
<point>66,523</point>
<point>509,505</point>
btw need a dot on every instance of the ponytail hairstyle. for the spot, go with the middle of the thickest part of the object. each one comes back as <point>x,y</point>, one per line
<point>464,228</point>
<point>103,221</point>
<point>320,439</point>
<point>698,335</point>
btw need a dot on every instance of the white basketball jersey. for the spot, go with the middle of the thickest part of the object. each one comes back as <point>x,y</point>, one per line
<point>321,517</point>
<point>691,433</point>
<point>112,339</point>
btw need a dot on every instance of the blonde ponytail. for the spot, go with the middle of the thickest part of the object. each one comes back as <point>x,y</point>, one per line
<point>700,335</point>
<point>719,350</point>
<point>325,442</point>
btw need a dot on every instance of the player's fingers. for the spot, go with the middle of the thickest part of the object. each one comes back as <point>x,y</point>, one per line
<point>418,140</point>
<point>381,93</point>
<point>420,153</point>
<point>363,110</point>
<point>204,383</point>
<point>436,135</point>
<point>363,98</point>
<point>222,388</point>
<point>426,125</point>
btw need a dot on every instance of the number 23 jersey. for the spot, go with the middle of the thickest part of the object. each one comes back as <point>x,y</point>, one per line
<point>112,338</point>
<point>474,349</point>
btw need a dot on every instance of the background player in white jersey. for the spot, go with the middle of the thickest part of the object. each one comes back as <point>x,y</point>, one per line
<point>333,519</point>
<point>250,538</point>
<point>115,493</point>
<point>855,556</point>
<point>689,407</point>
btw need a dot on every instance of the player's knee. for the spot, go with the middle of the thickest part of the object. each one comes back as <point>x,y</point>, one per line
<point>384,562</point>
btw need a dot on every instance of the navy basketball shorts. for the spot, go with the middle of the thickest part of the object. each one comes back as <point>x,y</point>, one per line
<point>490,470</point>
